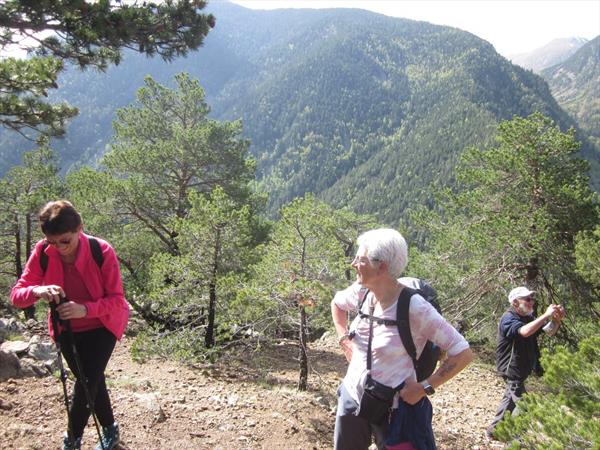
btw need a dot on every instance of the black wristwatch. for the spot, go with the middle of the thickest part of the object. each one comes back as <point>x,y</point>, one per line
<point>429,390</point>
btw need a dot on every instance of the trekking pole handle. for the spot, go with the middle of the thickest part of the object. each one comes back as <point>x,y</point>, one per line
<point>56,320</point>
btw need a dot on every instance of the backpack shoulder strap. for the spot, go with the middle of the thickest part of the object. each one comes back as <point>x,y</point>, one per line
<point>403,322</point>
<point>362,295</point>
<point>44,257</point>
<point>96,251</point>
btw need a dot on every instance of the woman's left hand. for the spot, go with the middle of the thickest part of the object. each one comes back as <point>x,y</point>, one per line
<point>412,392</point>
<point>71,310</point>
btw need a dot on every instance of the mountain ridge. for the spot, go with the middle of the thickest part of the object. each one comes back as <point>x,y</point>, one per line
<point>575,83</point>
<point>548,55</point>
<point>364,110</point>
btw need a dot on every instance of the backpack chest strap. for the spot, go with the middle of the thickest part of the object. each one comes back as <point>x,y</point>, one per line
<point>378,320</point>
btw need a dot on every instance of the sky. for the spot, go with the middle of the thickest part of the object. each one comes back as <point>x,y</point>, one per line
<point>511,26</point>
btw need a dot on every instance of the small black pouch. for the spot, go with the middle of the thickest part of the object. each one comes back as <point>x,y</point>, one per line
<point>376,402</point>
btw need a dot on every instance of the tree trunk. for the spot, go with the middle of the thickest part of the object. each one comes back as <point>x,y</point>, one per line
<point>303,357</point>
<point>17,235</point>
<point>532,279</point>
<point>209,338</point>
<point>29,312</point>
<point>533,272</point>
<point>349,272</point>
<point>28,236</point>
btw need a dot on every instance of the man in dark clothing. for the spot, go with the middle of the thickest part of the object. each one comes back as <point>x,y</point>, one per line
<point>517,350</point>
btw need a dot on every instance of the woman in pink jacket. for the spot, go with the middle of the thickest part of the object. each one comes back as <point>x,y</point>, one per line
<point>70,265</point>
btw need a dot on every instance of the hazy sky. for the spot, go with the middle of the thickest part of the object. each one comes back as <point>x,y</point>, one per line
<point>511,26</point>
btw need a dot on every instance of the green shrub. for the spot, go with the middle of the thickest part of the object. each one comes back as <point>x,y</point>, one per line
<point>185,345</point>
<point>567,416</point>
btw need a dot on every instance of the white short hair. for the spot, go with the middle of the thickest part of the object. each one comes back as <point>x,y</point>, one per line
<point>386,244</point>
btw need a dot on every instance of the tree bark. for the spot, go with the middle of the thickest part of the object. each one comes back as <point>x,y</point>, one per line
<point>303,357</point>
<point>29,312</point>
<point>209,338</point>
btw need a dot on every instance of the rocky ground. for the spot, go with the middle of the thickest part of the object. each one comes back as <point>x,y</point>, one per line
<point>245,401</point>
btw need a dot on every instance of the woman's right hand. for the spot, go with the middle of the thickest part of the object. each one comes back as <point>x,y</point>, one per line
<point>51,293</point>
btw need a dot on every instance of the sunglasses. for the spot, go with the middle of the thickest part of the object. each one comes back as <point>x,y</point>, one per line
<point>59,242</point>
<point>529,299</point>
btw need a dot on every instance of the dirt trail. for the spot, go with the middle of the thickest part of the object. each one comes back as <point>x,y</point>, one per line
<point>243,402</point>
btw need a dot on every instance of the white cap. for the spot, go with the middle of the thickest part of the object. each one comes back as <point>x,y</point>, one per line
<point>519,292</point>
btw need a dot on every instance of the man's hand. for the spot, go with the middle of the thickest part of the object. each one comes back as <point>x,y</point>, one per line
<point>559,314</point>
<point>553,311</point>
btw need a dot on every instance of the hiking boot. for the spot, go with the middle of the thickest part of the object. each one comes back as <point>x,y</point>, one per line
<point>110,437</point>
<point>71,444</point>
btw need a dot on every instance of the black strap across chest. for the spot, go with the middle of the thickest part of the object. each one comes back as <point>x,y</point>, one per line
<point>402,322</point>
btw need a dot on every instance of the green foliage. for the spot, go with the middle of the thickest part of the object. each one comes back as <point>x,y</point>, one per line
<point>188,290</point>
<point>567,416</point>
<point>85,33</point>
<point>512,221</point>
<point>587,254</point>
<point>25,84</point>
<point>305,260</point>
<point>165,148</point>
<point>23,191</point>
<point>183,345</point>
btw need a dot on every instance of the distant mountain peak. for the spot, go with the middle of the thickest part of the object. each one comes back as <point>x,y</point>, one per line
<point>554,52</point>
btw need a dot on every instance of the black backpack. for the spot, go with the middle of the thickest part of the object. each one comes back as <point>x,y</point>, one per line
<point>426,363</point>
<point>94,246</point>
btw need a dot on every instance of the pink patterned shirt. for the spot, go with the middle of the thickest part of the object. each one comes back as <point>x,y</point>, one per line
<point>391,364</point>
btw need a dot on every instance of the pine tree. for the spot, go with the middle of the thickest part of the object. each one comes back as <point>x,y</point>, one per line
<point>304,262</point>
<point>23,191</point>
<point>513,221</point>
<point>85,33</point>
<point>165,149</point>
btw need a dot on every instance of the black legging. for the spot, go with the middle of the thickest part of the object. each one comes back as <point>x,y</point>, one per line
<point>94,348</point>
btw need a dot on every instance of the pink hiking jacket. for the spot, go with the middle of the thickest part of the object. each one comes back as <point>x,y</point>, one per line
<point>104,284</point>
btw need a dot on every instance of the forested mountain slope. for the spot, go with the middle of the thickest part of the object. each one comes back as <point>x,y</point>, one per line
<point>575,84</point>
<point>362,109</point>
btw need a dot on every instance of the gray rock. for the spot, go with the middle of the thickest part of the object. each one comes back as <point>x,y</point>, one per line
<point>9,365</point>
<point>151,402</point>
<point>51,365</point>
<point>42,351</point>
<point>32,368</point>
<point>16,347</point>
<point>11,325</point>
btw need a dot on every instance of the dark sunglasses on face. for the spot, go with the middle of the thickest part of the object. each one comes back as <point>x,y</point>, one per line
<point>59,242</point>
<point>529,299</point>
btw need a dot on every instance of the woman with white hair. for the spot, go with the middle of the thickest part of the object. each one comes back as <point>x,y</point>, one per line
<point>381,258</point>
